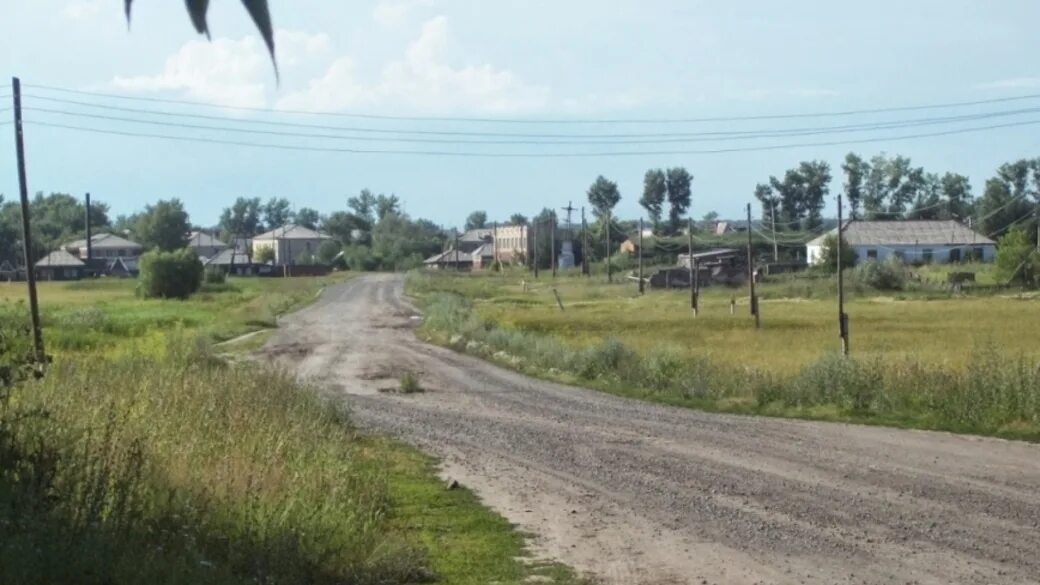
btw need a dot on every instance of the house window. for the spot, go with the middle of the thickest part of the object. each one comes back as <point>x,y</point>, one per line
<point>71,273</point>
<point>978,255</point>
<point>926,255</point>
<point>122,253</point>
<point>871,254</point>
<point>955,255</point>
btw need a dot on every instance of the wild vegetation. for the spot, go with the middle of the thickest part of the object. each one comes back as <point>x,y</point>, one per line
<point>926,358</point>
<point>140,457</point>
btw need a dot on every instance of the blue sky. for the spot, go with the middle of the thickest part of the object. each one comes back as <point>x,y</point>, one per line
<point>531,59</point>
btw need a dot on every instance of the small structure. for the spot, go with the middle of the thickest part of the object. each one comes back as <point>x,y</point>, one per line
<point>205,245</point>
<point>233,262</point>
<point>60,265</point>
<point>290,243</point>
<point>449,260</point>
<point>725,266</point>
<point>912,241</point>
<point>9,272</point>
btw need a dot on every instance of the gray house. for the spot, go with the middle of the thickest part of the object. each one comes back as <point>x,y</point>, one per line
<point>912,241</point>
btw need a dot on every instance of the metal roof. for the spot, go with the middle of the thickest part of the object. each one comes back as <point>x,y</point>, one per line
<point>201,239</point>
<point>922,232</point>
<point>228,257</point>
<point>292,232</point>
<point>103,240</point>
<point>449,257</point>
<point>60,259</point>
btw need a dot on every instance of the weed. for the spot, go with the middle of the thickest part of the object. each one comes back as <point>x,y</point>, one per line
<point>410,383</point>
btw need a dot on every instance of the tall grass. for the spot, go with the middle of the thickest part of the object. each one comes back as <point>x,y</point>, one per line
<point>169,467</point>
<point>995,394</point>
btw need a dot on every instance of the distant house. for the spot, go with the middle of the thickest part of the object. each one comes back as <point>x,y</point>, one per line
<point>233,262</point>
<point>290,243</point>
<point>104,245</point>
<point>9,272</point>
<point>205,245</point>
<point>60,265</point>
<point>483,257</point>
<point>912,241</point>
<point>449,260</point>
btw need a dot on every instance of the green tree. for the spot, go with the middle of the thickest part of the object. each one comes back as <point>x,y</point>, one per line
<point>829,254</point>
<point>242,219</point>
<point>364,205</point>
<point>163,226</point>
<point>328,250</point>
<point>342,225</point>
<point>476,220</point>
<point>264,254</point>
<point>387,205</point>
<point>307,217</point>
<point>770,203</point>
<point>929,202</point>
<point>1000,207</point>
<point>802,193</point>
<point>518,219</point>
<point>956,193</point>
<point>856,170</point>
<point>655,188</point>
<point>603,195</point>
<point>710,217</point>
<point>1017,260</point>
<point>277,212</point>
<point>678,181</point>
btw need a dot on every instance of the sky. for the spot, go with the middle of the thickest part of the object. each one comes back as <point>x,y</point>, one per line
<point>520,66</point>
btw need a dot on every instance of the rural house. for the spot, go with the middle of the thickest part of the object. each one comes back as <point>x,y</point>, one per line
<point>205,245</point>
<point>449,260</point>
<point>104,245</point>
<point>234,262</point>
<point>912,241</point>
<point>290,243</point>
<point>60,265</point>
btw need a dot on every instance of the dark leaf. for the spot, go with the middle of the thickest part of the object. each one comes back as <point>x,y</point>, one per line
<point>197,9</point>
<point>262,17</point>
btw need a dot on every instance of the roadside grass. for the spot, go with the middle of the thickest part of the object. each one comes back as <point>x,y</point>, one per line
<point>141,457</point>
<point>962,364</point>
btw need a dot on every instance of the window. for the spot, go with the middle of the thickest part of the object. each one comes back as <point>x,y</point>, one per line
<point>71,273</point>
<point>955,255</point>
<point>121,253</point>
<point>926,255</point>
<point>978,255</point>
<point>871,254</point>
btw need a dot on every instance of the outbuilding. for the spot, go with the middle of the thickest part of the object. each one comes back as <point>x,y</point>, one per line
<point>60,265</point>
<point>912,241</point>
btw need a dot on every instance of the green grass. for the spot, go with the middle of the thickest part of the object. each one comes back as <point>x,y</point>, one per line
<point>925,359</point>
<point>142,458</point>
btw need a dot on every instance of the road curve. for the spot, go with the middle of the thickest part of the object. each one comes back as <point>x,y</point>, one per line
<point>637,493</point>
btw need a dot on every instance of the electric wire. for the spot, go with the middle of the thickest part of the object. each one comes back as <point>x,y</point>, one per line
<point>502,120</point>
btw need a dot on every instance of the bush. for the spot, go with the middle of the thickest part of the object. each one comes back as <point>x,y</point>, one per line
<point>829,255</point>
<point>1017,259</point>
<point>169,275</point>
<point>264,255</point>
<point>329,250</point>
<point>887,275</point>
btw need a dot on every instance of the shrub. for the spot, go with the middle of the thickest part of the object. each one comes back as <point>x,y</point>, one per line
<point>887,275</point>
<point>170,275</point>
<point>215,275</point>
<point>829,255</point>
<point>264,255</point>
<point>1017,259</point>
<point>329,250</point>
<point>410,383</point>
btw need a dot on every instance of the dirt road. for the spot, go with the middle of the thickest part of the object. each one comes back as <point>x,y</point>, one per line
<point>642,494</point>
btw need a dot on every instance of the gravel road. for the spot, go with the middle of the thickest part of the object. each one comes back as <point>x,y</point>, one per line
<point>636,493</point>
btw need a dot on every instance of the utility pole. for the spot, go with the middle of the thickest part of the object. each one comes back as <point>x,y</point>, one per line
<point>843,318</point>
<point>494,239</point>
<point>751,273</point>
<point>641,255</point>
<point>535,254</point>
<point>610,276</point>
<point>86,220</point>
<point>23,191</point>
<point>552,242</point>
<point>584,244</point>
<point>772,217</point>
<point>458,258</point>
<point>694,270</point>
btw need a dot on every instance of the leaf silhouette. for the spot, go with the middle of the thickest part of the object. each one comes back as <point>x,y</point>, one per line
<point>197,10</point>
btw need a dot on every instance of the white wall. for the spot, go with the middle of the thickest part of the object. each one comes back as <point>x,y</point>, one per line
<point>911,254</point>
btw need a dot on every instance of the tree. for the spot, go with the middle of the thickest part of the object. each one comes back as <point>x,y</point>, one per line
<point>1017,260</point>
<point>328,250</point>
<point>518,219</point>
<point>242,219</point>
<point>655,188</point>
<point>387,205</point>
<point>929,203</point>
<point>364,205</point>
<point>342,226</point>
<point>678,181</point>
<point>603,195</point>
<point>710,217</point>
<point>802,193</point>
<point>307,217</point>
<point>856,170</point>
<point>277,212</point>
<point>170,275</point>
<point>476,220</point>
<point>163,226</point>
<point>1005,199</point>
<point>56,219</point>
<point>955,190</point>
<point>398,243</point>
<point>770,202</point>
<point>829,254</point>
<point>264,254</point>
<point>892,186</point>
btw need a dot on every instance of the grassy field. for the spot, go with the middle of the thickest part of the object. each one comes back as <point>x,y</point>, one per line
<point>142,458</point>
<point>918,342</point>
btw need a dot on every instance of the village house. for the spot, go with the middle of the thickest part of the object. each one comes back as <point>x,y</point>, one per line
<point>290,243</point>
<point>104,245</point>
<point>205,245</point>
<point>912,241</point>
<point>60,265</point>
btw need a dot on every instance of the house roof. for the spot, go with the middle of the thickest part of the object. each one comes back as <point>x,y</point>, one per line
<point>477,235</point>
<point>102,240</point>
<point>485,251</point>
<point>228,257</point>
<point>922,232</point>
<point>200,239</point>
<point>449,257</point>
<point>292,232</point>
<point>60,259</point>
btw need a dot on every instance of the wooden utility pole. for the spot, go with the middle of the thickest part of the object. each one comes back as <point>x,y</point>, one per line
<point>772,217</point>
<point>584,244</point>
<point>534,254</point>
<point>751,273</point>
<point>494,239</point>
<point>843,318</point>
<point>641,256</point>
<point>610,276</point>
<point>458,260</point>
<point>693,269</point>
<point>23,191</point>
<point>552,242</point>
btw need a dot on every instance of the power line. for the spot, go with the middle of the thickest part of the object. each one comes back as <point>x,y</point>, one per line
<point>660,137</point>
<point>784,134</point>
<point>910,108</point>
<point>543,155</point>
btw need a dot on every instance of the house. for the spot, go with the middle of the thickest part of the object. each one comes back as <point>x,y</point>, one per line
<point>9,272</point>
<point>233,262</point>
<point>60,265</point>
<point>512,242</point>
<point>449,260</point>
<point>120,267</point>
<point>290,243</point>
<point>483,257</point>
<point>104,245</point>
<point>725,266</point>
<point>912,241</point>
<point>205,245</point>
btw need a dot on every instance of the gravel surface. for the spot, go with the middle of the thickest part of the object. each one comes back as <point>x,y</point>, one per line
<point>637,493</point>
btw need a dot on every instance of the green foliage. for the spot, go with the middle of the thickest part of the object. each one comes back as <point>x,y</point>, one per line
<point>476,220</point>
<point>307,217</point>
<point>215,275</point>
<point>518,219</point>
<point>169,275</point>
<point>678,181</point>
<point>328,250</point>
<point>399,243</point>
<point>56,219</point>
<point>654,189</point>
<point>888,275</point>
<point>277,212</point>
<point>829,255</point>
<point>800,195</point>
<point>242,219</point>
<point>603,195</point>
<point>1017,260</point>
<point>163,226</point>
<point>410,383</point>
<point>264,254</point>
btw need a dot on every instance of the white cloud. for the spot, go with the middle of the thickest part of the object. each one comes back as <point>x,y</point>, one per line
<point>423,80</point>
<point>393,12</point>
<point>81,9</point>
<point>1015,83</point>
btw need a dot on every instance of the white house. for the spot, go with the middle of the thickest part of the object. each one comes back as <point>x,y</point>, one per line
<point>290,243</point>
<point>914,241</point>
